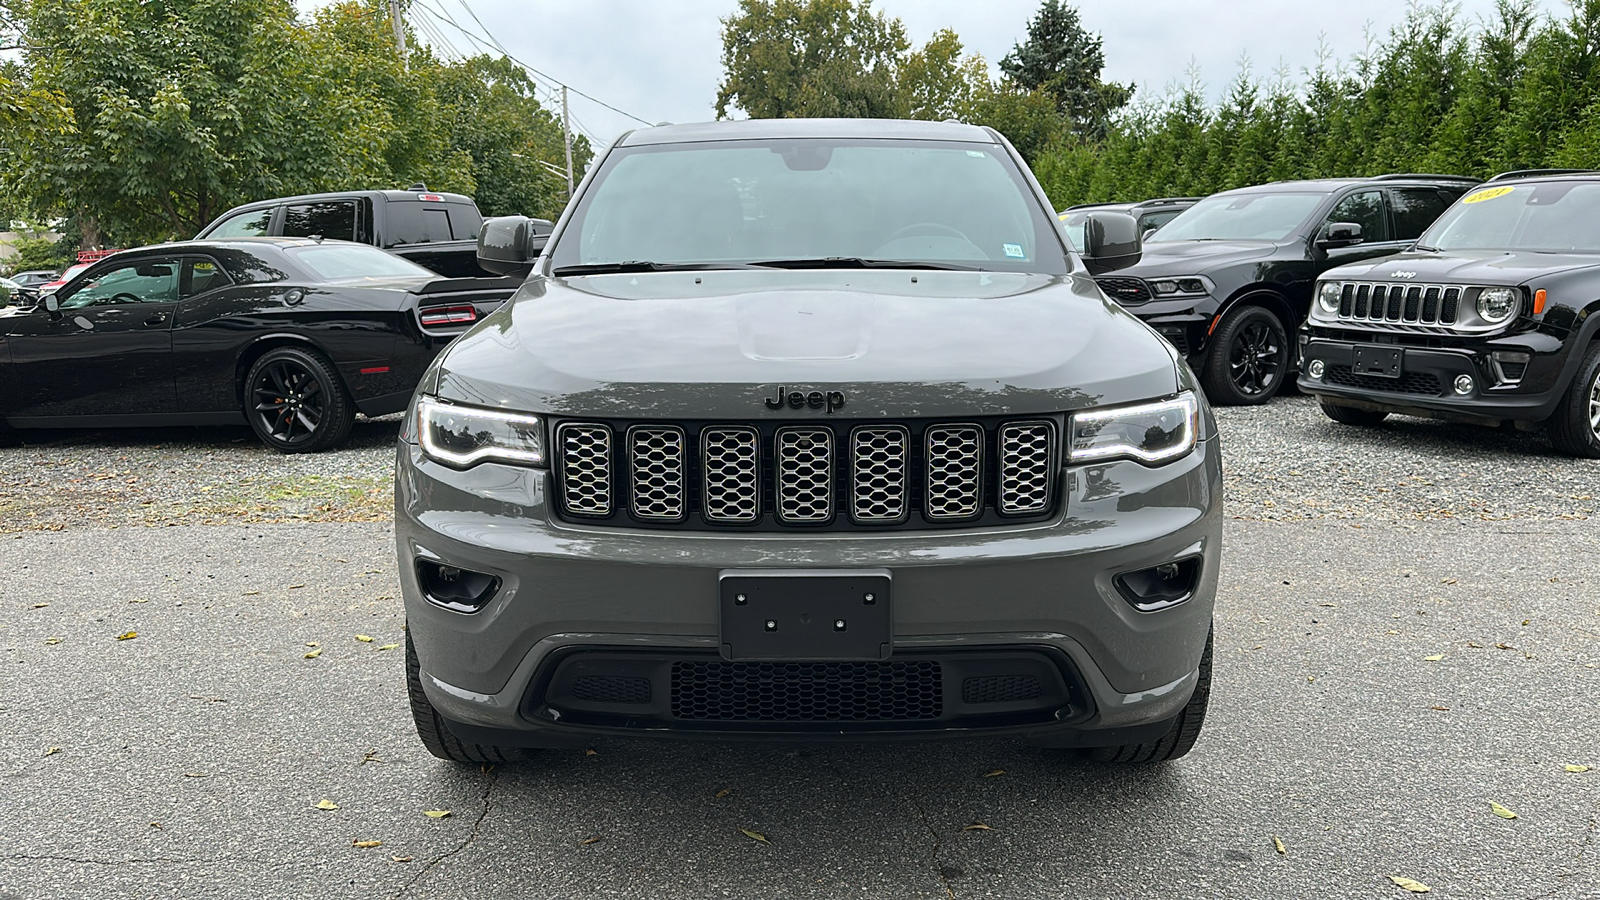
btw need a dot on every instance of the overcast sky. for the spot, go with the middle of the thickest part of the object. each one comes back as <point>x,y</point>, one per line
<point>661,61</point>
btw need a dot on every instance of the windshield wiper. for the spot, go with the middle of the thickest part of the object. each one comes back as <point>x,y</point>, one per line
<point>639,265</point>
<point>857,262</point>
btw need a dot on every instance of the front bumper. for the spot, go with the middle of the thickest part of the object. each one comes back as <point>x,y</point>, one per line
<point>635,610</point>
<point>1425,387</point>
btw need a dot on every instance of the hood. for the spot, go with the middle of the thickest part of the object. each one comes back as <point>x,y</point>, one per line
<point>1170,258</point>
<point>718,344</point>
<point>1492,267</point>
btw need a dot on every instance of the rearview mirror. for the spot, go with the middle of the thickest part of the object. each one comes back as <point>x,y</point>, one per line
<point>1110,241</point>
<point>1339,234</point>
<point>509,245</point>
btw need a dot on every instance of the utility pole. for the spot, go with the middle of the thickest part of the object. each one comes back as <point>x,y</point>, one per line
<point>399,32</point>
<point>566,134</point>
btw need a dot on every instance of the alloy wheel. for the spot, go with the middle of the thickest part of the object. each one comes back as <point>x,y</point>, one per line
<point>1254,361</point>
<point>1594,405</point>
<point>289,402</point>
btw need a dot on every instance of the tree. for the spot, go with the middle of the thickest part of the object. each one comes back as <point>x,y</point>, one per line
<point>795,58</point>
<point>1064,60</point>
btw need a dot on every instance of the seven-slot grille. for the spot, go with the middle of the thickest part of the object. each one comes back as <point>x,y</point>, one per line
<point>812,474</point>
<point>1404,304</point>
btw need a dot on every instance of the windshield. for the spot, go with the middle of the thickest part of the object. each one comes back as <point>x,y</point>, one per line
<point>341,261</point>
<point>1553,216</point>
<point>931,204</point>
<point>1241,217</point>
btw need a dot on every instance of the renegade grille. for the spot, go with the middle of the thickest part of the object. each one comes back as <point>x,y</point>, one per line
<point>801,692</point>
<point>807,475</point>
<point>1404,304</point>
<point>1124,290</point>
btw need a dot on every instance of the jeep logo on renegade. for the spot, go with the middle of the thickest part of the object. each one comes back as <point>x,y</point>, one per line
<point>832,400</point>
<point>1402,273</point>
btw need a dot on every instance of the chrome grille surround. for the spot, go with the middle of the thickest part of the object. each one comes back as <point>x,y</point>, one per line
<point>1431,308</point>
<point>1026,452</point>
<point>879,459</point>
<point>954,472</point>
<point>584,452</point>
<point>656,465</point>
<point>730,465</point>
<point>804,483</point>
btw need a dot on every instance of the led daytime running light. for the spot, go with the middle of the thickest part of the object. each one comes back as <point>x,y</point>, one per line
<point>426,409</point>
<point>1191,418</point>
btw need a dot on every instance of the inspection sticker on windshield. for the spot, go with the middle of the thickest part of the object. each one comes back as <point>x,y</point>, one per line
<point>1015,251</point>
<point>976,154</point>
<point>1487,194</point>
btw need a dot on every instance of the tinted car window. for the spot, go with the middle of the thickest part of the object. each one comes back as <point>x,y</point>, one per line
<point>1241,217</point>
<point>200,275</point>
<point>1154,220</point>
<point>1364,209</point>
<point>1414,210</point>
<point>753,201</point>
<point>246,224</point>
<point>345,262</point>
<point>146,281</point>
<point>333,219</point>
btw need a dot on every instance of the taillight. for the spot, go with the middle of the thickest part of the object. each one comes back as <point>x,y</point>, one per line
<point>449,315</point>
<point>434,197</point>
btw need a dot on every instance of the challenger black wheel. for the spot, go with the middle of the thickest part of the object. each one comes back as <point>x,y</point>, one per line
<point>435,732</point>
<point>1575,428</point>
<point>1349,415</point>
<point>1248,360</point>
<point>1176,742</point>
<point>295,402</point>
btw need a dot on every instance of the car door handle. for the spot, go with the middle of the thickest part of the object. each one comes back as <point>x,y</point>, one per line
<point>156,319</point>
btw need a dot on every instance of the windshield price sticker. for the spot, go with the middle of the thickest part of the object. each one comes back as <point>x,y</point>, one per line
<point>1487,194</point>
<point>1015,251</point>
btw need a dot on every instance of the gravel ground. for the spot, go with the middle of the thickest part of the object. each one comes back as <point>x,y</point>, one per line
<point>1284,461</point>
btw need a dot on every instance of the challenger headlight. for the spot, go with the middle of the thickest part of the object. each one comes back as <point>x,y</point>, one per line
<point>1495,305</point>
<point>1173,287</point>
<point>1151,433</point>
<point>1328,297</point>
<point>463,436</point>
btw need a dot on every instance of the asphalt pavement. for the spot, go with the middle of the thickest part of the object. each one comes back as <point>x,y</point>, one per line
<point>1379,685</point>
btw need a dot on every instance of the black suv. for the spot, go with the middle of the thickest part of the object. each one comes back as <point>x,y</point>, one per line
<point>1150,214</point>
<point>1230,278</point>
<point>1490,318</point>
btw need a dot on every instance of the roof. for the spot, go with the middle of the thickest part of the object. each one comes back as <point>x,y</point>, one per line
<point>238,243</point>
<point>1333,184</point>
<point>347,195</point>
<point>768,129</point>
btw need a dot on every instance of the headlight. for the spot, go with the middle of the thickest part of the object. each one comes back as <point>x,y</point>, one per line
<point>1328,297</point>
<point>1495,305</point>
<point>463,436</point>
<point>1152,433</point>
<point>1167,287</point>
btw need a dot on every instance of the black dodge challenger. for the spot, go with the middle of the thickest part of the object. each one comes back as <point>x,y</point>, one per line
<point>294,336</point>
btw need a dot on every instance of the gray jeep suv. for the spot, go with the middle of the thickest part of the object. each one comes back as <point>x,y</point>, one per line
<point>807,429</point>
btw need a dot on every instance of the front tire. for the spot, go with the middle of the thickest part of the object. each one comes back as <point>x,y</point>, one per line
<point>435,732</point>
<point>1248,359</point>
<point>295,401</point>
<point>1185,728</point>
<point>1349,415</point>
<point>1575,428</point>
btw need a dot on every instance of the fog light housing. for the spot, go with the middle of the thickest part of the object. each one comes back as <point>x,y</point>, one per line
<point>454,588</point>
<point>1160,587</point>
<point>1464,384</point>
<point>1316,368</point>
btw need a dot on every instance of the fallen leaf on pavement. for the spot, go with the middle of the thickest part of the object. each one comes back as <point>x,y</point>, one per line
<point>995,773</point>
<point>437,813</point>
<point>755,835</point>
<point>295,586</point>
<point>1434,658</point>
<point>52,641</point>
<point>40,605</point>
<point>364,638</point>
<point>1415,887</point>
<point>1572,768</point>
<point>139,600</point>
<point>1501,811</point>
<point>594,838</point>
<point>401,858</point>
<point>591,752</point>
<point>977,826</point>
<point>251,593</point>
<point>1277,843</point>
<point>366,845</point>
<point>54,750</point>
<point>197,774</point>
<point>1475,645</point>
<point>325,803</point>
<point>728,792</point>
<point>1447,581</point>
<point>127,635</point>
<point>388,646</point>
<point>1440,708</point>
<point>312,644</point>
<point>314,653</point>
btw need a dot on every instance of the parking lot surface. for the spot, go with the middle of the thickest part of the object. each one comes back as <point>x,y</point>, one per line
<point>1408,632</point>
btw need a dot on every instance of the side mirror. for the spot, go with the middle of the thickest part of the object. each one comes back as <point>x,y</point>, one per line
<point>1110,241</point>
<point>1339,234</point>
<point>509,245</point>
<point>52,305</point>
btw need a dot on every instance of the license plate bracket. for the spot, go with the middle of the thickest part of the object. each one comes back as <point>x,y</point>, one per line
<point>1379,362</point>
<point>797,614</point>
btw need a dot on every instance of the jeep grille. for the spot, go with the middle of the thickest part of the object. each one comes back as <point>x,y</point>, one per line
<point>1399,304</point>
<point>827,474</point>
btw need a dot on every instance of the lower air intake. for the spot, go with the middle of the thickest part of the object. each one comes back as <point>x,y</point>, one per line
<point>808,692</point>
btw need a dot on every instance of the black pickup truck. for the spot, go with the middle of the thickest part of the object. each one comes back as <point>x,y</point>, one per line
<point>436,231</point>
